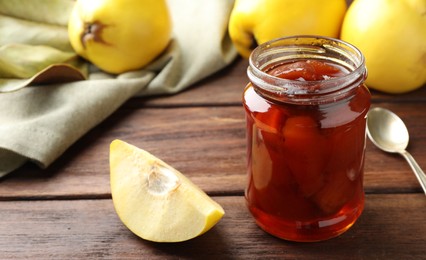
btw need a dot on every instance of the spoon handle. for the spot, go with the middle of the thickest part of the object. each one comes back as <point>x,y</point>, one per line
<point>421,177</point>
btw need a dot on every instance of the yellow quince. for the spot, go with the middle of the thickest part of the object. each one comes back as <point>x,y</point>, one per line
<point>154,200</point>
<point>120,35</point>
<point>254,22</point>
<point>392,37</point>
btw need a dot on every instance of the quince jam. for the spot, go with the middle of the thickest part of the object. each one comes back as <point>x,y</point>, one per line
<point>306,161</point>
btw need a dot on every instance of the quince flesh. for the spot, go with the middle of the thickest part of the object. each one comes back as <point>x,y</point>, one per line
<point>119,35</point>
<point>392,37</point>
<point>254,22</point>
<point>154,200</point>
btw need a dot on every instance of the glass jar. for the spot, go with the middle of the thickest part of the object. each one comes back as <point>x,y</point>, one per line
<point>306,107</point>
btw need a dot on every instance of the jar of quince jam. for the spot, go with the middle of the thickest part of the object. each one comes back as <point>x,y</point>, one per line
<point>306,107</point>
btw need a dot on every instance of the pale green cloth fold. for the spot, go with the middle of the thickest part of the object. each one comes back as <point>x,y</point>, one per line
<point>39,123</point>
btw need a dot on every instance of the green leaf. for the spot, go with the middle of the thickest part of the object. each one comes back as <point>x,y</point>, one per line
<point>23,61</point>
<point>21,64</point>
<point>34,44</point>
<point>56,73</point>
<point>13,30</point>
<point>42,11</point>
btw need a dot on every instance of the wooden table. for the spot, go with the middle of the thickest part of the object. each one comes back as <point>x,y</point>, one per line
<point>66,211</point>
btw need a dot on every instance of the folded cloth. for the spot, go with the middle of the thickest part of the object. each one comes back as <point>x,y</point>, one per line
<point>38,123</point>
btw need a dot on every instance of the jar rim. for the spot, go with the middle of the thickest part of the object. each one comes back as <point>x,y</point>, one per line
<point>304,47</point>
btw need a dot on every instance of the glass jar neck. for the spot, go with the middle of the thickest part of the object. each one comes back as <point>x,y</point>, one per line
<point>289,49</point>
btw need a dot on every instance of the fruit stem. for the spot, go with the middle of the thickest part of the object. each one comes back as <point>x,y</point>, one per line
<point>92,32</point>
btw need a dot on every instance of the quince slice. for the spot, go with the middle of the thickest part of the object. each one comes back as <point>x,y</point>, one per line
<point>154,200</point>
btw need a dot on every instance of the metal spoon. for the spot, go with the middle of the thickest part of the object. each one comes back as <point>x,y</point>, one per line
<point>388,132</point>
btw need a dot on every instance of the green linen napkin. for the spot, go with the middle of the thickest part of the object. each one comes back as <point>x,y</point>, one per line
<point>39,122</point>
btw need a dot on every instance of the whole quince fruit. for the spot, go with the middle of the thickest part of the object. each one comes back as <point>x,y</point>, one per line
<point>392,37</point>
<point>253,22</point>
<point>119,35</point>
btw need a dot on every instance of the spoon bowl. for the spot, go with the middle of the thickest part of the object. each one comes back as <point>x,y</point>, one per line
<point>389,133</point>
<point>386,130</point>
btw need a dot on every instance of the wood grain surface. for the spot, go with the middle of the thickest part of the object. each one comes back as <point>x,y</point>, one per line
<point>66,212</point>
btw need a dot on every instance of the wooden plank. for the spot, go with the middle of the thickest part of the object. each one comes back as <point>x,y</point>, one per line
<point>205,143</point>
<point>226,87</point>
<point>223,88</point>
<point>391,227</point>
<point>381,166</point>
